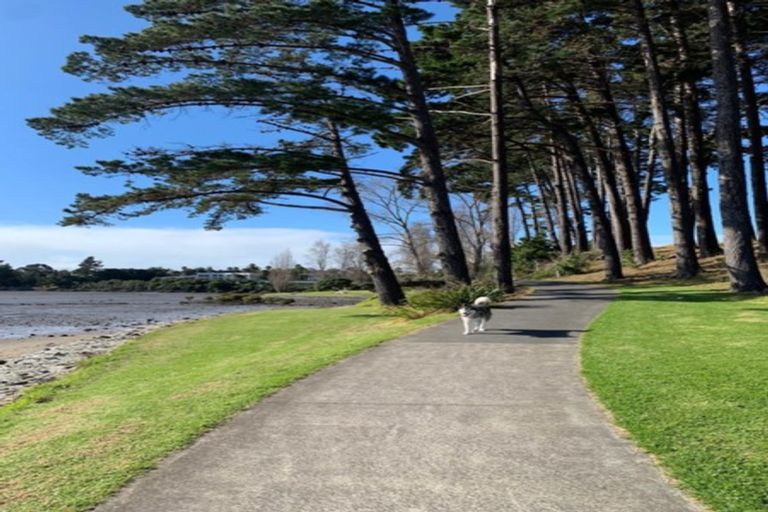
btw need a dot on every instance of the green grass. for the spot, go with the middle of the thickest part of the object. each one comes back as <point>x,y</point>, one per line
<point>684,369</point>
<point>67,445</point>
<point>328,293</point>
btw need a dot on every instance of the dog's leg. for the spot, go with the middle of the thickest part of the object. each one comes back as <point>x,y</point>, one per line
<point>482,325</point>
<point>466,324</point>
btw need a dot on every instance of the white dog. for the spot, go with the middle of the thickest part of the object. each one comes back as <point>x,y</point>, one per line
<point>475,315</point>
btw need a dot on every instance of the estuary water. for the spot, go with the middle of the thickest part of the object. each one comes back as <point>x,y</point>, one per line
<point>25,314</point>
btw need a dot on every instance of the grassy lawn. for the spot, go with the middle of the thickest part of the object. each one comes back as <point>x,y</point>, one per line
<point>685,370</point>
<point>67,445</point>
<point>328,293</point>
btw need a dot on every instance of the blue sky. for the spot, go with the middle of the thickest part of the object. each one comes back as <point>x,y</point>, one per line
<point>39,178</point>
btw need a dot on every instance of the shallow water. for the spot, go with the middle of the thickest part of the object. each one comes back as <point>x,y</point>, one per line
<point>34,313</point>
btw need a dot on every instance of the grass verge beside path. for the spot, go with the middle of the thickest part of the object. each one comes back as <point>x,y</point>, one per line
<point>684,369</point>
<point>67,445</point>
<point>330,293</point>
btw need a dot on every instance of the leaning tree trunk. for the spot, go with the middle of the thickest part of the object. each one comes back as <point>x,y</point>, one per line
<point>534,210</point>
<point>412,249</point>
<point>702,209</point>
<point>523,216</point>
<point>384,280</point>
<point>740,260</point>
<point>641,245</point>
<point>606,170</point>
<point>579,224</point>
<point>611,258</point>
<point>705,226</point>
<point>451,251</point>
<point>607,243</point>
<point>605,196</point>
<point>563,222</point>
<point>682,222</point>
<point>646,195</point>
<point>544,199</point>
<point>679,122</point>
<point>501,247</point>
<point>752,110</point>
<point>543,196</point>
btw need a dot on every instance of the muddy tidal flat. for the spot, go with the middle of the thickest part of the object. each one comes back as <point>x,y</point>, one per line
<point>39,314</point>
<point>45,334</point>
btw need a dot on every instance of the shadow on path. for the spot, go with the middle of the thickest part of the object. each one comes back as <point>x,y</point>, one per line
<point>536,333</point>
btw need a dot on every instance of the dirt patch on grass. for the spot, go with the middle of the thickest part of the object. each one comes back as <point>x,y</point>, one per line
<point>59,421</point>
<point>661,270</point>
<point>13,491</point>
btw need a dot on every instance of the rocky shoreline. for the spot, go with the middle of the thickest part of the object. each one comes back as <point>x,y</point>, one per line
<point>58,358</point>
<point>29,361</point>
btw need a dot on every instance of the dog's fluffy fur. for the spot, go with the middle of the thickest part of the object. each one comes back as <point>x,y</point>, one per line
<point>475,315</point>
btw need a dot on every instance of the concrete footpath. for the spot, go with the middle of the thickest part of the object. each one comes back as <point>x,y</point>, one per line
<point>432,422</point>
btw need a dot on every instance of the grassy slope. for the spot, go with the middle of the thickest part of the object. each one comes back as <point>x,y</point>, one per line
<point>684,369</point>
<point>67,445</point>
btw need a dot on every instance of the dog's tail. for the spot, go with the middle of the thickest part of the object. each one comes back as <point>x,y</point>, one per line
<point>482,301</point>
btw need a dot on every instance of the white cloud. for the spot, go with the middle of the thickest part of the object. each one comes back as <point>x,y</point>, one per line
<point>64,248</point>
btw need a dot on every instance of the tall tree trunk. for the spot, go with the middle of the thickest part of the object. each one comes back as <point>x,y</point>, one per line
<point>752,111</point>
<point>534,210</point>
<point>687,263</point>
<point>602,192</point>
<point>477,261</point>
<point>384,280</point>
<point>544,198</point>
<point>451,252</point>
<point>705,226</point>
<point>412,248</point>
<point>637,157</point>
<point>740,260</point>
<point>596,242</point>
<point>523,217</point>
<point>650,173</point>
<point>472,223</point>
<point>681,134</point>
<point>579,225</point>
<point>563,222</point>
<point>611,258</point>
<point>607,243</point>
<point>627,173</point>
<point>606,170</point>
<point>501,247</point>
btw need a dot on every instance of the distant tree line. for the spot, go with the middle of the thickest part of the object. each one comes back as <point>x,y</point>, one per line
<point>573,114</point>
<point>339,267</point>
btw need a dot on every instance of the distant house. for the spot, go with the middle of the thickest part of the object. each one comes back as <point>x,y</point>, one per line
<point>227,276</point>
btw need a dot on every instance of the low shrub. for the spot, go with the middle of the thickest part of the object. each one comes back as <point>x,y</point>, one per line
<point>116,285</point>
<point>574,263</point>
<point>278,301</point>
<point>251,298</point>
<point>333,283</point>
<point>240,298</point>
<point>528,255</point>
<point>628,259</point>
<point>452,298</point>
<point>421,283</point>
<point>170,284</point>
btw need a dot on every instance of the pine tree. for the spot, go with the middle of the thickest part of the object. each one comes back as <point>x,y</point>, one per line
<point>739,257</point>
<point>323,59</point>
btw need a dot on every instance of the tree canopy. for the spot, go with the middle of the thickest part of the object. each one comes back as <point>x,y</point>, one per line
<point>572,107</point>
